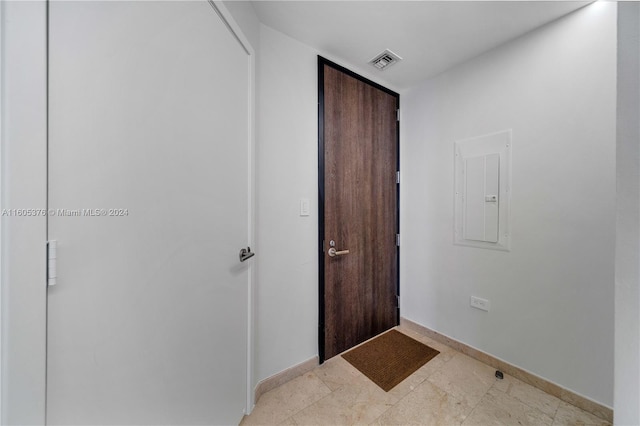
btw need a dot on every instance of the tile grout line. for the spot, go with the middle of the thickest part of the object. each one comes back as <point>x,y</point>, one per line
<point>479,401</point>
<point>306,406</point>
<point>553,417</point>
<point>365,377</point>
<point>422,382</point>
<point>317,400</point>
<point>455,352</point>
<point>553,420</point>
<point>400,399</point>
<point>458,399</point>
<point>314,402</point>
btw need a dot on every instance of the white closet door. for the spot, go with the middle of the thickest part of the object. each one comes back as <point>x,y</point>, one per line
<point>149,120</point>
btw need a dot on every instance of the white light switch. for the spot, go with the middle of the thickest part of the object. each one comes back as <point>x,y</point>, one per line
<point>304,207</point>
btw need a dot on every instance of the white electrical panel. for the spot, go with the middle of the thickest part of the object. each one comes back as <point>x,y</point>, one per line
<point>482,191</point>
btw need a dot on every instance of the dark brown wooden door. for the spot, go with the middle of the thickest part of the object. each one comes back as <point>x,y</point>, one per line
<point>359,162</point>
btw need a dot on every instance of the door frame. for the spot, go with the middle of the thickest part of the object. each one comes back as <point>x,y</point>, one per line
<point>236,30</point>
<point>321,198</point>
<point>28,143</point>
<point>23,146</point>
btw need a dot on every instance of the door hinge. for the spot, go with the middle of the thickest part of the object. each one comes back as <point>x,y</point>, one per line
<point>398,177</point>
<point>398,114</point>
<point>52,262</point>
<point>398,240</point>
<point>397,300</point>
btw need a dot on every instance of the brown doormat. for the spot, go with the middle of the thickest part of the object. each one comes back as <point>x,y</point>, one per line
<point>390,358</point>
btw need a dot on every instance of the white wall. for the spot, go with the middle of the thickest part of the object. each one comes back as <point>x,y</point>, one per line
<point>287,170</point>
<point>627,290</point>
<point>287,288</point>
<point>23,186</point>
<point>552,294</point>
<point>524,297</point>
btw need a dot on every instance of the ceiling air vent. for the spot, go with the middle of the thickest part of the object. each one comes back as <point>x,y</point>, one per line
<point>385,60</point>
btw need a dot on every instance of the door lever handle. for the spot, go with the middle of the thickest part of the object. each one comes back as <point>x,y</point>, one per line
<point>246,254</point>
<point>333,252</point>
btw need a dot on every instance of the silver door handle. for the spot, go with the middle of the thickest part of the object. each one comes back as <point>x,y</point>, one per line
<point>246,254</point>
<point>333,252</point>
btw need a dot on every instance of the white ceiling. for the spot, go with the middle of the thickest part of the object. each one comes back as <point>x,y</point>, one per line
<point>430,36</point>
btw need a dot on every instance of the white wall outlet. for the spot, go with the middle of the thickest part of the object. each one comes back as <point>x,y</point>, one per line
<point>305,207</point>
<point>476,302</point>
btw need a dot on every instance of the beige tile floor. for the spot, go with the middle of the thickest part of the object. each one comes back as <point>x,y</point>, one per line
<point>451,389</point>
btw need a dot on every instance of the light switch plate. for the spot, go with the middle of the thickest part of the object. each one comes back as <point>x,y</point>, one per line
<point>305,207</point>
